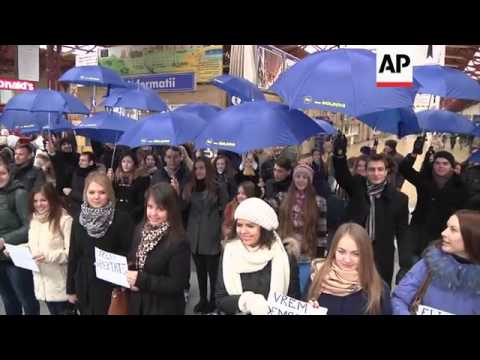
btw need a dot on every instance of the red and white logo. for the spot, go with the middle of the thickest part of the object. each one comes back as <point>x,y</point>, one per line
<point>394,66</point>
<point>19,85</point>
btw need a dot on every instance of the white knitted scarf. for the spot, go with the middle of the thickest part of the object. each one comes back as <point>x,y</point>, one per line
<point>237,260</point>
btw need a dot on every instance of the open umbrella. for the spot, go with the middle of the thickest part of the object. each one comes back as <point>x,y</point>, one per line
<point>105,127</point>
<point>205,111</point>
<point>93,75</point>
<point>241,88</point>
<point>256,125</point>
<point>44,100</point>
<point>58,124</point>
<point>327,128</point>
<point>139,98</point>
<point>401,122</point>
<point>168,128</point>
<point>475,157</point>
<point>445,81</point>
<point>30,121</point>
<point>341,80</point>
<point>444,122</point>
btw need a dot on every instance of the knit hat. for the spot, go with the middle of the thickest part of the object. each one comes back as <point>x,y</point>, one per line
<point>445,155</point>
<point>258,212</point>
<point>303,168</point>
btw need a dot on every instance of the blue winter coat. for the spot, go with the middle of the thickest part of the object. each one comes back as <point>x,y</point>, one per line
<point>455,286</point>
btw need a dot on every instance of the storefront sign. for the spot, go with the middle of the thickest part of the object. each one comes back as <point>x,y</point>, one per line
<point>12,84</point>
<point>165,82</point>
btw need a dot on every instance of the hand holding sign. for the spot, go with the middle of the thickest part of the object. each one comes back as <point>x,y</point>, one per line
<point>111,267</point>
<point>279,304</point>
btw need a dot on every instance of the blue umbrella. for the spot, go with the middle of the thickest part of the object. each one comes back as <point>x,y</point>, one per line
<point>327,128</point>
<point>256,125</point>
<point>447,82</point>
<point>44,100</point>
<point>58,124</point>
<point>169,128</point>
<point>139,98</point>
<point>342,80</point>
<point>16,119</point>
<point>105,127</point>
<point>241,88</point>
<point>444,122</point>
<point>205,111</point>
<point>92,75</point>
<point>475,157</point>
<point>401,122</point>
<point>476,131</point>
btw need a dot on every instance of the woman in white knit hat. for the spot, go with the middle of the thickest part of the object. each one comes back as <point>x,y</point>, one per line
<point>254,263</point>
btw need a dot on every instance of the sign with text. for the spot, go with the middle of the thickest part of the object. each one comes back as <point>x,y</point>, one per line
<point>394,66</point>
<point>13,84</point>
<point>111,267</point>
<point>165,82</point>
<point>427,310</point>
<point>279,304</point>
<point>22,257</point>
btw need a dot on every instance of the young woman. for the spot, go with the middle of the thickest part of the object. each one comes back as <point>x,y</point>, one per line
<point>449,271</point>
<point>347,282</point>
<point>151,164</point>
<point>16,284</point>
<point>100,225</point>
<point>224,174</point>
<point>160,257</point>
<point>303,221</point>
<point>246,190</point>
<point>49,241</point>
<point>254,263</point>
<point>248,169</point>
<point>130,185</point>
<point>205,200</point>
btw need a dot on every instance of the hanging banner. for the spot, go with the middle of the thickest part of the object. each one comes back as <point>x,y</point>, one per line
<point>206,61</point>
<point>165,82</point>
<point>29,62</point>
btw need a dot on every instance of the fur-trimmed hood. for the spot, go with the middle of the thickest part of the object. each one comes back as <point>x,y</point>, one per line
<point>292,246</point>
<point>448,273</point>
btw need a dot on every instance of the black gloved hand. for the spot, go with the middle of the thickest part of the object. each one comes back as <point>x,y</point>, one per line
<point>375,142</point>
<point>418,145</point>
<point>340,145</point>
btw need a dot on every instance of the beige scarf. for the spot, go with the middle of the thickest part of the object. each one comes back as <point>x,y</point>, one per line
<point>237,259</point>
<point>340,282</point>
<point>41,218</point>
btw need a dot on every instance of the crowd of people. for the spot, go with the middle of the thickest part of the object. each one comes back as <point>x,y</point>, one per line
<point>319,227</point>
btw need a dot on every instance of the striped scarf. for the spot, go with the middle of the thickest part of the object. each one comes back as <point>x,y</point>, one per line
<point>374,191</point>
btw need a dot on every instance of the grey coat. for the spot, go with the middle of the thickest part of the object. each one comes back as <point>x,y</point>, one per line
<point>205,221</point>
<point>29,175</point>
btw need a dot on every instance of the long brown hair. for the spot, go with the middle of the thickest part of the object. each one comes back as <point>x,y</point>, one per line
<point>193,184</point>
<point>54,201</point>
<point>469,221</point>
<point>132,175</point>
<point>228,166</point>
<point>310,214</point>
<point>370,280</point>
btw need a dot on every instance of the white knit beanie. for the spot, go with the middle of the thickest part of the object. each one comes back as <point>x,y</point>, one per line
<point>258,212</point>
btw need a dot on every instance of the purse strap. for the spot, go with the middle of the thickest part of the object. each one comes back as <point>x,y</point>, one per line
<point>422,289</point>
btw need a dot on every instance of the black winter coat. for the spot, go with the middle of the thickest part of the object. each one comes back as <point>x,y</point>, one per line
<point>131,198</point>
<point>163,279</point>
<point>94,295</point>
<point>257,282</point>
<point>29,175</point>
<point>64,165</point>
<point>391,217</point>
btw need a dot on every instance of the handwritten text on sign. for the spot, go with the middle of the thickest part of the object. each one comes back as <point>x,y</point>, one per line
<point>279,304</point>
<point>111,267</point>
<point>427,310</point>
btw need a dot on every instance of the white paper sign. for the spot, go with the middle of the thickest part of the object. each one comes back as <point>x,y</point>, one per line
<point>427,310</point>
<point>22,257</point>
<point>111,267</point>
<point>279,304</point>
<point>29,62</point>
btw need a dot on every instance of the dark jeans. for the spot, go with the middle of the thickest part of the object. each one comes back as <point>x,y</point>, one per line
<point>57,307</point>
<point>16,290</point>
<point>207,267</point>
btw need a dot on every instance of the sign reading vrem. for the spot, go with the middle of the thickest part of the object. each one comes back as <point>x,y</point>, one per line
<point>179,82</point>
<point>394,66</point>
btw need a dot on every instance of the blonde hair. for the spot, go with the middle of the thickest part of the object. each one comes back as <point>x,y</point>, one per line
<point>101,179</point>
<point>370,280</point>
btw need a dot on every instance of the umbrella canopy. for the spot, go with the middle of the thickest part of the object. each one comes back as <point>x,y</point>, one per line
<point>444,122</point>
<point>58,124</point>
<point>44,100</point>
<point>256,125</point>
<point>93,75</point>
<point>105,127</point>
<point>400,122</point>
<point>169,128</point>
<point>342,80</point>
<point>139,98</point>
<point>447,82</point>
<point>17,119</point>
<point>475,157</point>
<point>241,88</point>
<point>205,111</point>
<point>327,128</point>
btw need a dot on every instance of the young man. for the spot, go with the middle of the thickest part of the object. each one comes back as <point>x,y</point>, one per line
<point>24,171</point>
<point>440,192</point>
<point>376,205</point>
<point>282,178</point>
<point>174,169</point>
<point>390,149</point>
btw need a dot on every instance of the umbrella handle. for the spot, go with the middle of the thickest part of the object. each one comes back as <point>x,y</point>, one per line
<point>113,155</point>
